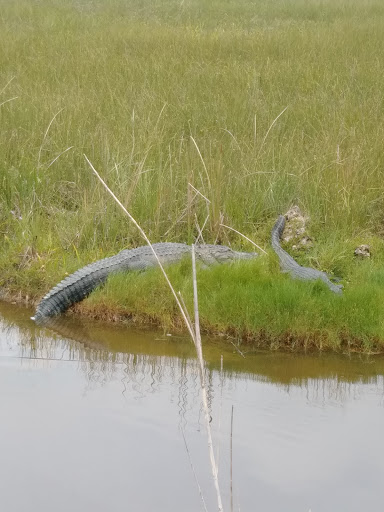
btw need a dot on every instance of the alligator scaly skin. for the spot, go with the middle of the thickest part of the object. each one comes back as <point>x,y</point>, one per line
<point>288,264</point>
<point>81,283</point>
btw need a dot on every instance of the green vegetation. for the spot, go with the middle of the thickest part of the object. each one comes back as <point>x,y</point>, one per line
<point>164,96</point>
<point>253,303</point>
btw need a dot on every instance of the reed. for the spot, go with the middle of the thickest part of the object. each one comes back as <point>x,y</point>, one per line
<point>194,332</point>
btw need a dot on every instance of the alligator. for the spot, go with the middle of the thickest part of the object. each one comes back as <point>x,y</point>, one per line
<point>289,265</point>
<point>81,283</point>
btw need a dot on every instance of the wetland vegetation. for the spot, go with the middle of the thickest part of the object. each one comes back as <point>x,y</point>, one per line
<point>198,114</point>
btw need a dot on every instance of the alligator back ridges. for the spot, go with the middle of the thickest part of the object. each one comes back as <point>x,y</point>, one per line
<point>81,283</point>
<point>288,264</point>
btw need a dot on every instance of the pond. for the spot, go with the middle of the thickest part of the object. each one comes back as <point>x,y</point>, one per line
<point>98,417</point>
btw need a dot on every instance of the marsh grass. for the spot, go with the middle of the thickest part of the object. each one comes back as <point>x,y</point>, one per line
<point>251,303</point>
<point>255,105</point>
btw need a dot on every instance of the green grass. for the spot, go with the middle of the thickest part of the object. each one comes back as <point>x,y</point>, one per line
<point>252,303</point>
<point>137,85</point>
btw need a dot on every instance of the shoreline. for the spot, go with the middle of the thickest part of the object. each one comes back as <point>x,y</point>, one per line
<point>288,341</point>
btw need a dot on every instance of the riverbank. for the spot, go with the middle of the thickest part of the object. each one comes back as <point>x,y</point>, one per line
<point>250,303</point>
<point>199,115</point>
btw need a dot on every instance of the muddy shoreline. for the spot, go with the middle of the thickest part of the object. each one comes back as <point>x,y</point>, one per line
<point>285,341</point>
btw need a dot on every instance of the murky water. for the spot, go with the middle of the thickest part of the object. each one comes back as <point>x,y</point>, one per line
<point>99,424</point>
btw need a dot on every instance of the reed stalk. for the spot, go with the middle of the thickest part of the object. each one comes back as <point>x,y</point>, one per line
<point>193,331</point>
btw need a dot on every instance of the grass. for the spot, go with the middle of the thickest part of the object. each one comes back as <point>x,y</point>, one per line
<point>249,302</point>
<point>166,97</point>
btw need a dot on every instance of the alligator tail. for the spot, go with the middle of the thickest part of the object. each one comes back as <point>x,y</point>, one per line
<point>76,287</point>
<point>277,231</point>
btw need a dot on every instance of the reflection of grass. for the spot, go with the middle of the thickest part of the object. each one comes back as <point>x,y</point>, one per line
<point>129,84</point>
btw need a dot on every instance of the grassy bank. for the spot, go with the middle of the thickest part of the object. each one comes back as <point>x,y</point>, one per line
<point>254,304</point>
<point>167,97</point>
<point>251,302</point>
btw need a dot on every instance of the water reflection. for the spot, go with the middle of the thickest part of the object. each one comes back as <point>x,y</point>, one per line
<point>94,414</point>
<point>105,350</point>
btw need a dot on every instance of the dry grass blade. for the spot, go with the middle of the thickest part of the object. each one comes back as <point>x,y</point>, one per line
<point>200,229</point>
<point>199,193</point>
<point>184,307</point>
<point>238,350</point>
<point>202,161</point>
<point>246,238</point>
<point>194,333</point>
<point>189,326</point>
<point>199,352</point>
<point>58,156</point>
<point>271,126</point>
<point>6,85</point>
<point>45,136</point>
<point>233,137</point>
<point>7,101</point>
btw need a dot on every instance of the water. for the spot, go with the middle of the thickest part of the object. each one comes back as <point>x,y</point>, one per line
<point>99,424</point>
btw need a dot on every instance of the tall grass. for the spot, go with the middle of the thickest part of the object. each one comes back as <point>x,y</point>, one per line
<point>171,97</point>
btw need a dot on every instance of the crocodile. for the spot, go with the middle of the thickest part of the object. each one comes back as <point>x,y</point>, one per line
<point>81,283</point>
<point>289,265</point>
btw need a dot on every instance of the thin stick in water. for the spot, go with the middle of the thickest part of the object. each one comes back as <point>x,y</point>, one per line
<point>194,472</point>
<point>238,350</point>
<point>195,333</point>
<point>199,351</point>
<point>231,470</point>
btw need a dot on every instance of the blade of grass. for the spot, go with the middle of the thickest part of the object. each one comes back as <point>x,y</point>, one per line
<point>270,128</point>
<point>246,238</point>
<point>7,101</point>
<point>189,326</point>
<point>6,85</point>
<point>45,136</point>
<point>202,161</point>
